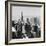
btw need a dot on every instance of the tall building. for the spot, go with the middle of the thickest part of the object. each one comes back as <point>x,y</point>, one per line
<point>21,16</point>
<point>35,20</point>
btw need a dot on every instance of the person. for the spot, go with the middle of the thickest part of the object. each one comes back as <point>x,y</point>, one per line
<point>35,27</point>
<point>28,28</point>
<point>13,24</point>
<point>19,29</point>
<point>13,30</point>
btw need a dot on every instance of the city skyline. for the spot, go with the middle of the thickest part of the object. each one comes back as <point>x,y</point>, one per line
<point>27,12</point>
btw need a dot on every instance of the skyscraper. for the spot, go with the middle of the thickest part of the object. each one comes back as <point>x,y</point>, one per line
<point>21,16</point>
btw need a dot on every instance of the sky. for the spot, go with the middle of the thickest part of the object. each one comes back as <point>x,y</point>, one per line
<point>28,12</point>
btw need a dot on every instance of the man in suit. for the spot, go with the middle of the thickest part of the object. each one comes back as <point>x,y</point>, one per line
<point>19,29</point>
<point>28,28</point>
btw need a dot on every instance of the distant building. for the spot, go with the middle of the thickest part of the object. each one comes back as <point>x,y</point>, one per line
<point>21,16</point>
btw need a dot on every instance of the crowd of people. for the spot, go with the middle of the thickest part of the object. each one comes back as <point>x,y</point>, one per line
<point>23,30</point>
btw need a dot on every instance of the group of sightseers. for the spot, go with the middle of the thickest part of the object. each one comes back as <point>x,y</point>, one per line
<point>30,31</point>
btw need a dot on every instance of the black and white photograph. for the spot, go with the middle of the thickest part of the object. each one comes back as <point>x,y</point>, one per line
<point>25,22</point>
